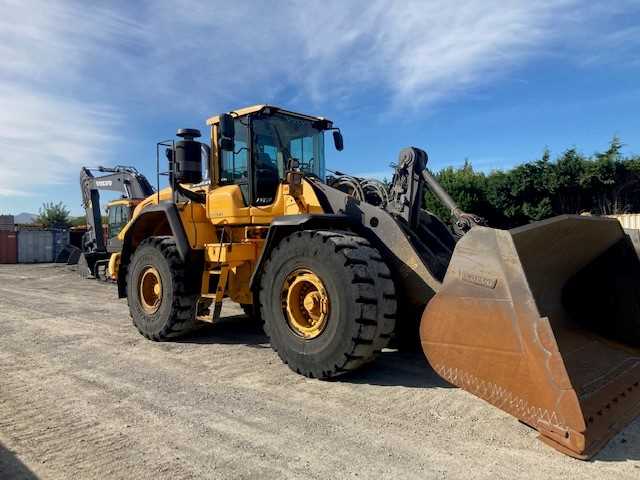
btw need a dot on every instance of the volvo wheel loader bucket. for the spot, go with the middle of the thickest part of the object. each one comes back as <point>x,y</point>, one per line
<point>543,321</point>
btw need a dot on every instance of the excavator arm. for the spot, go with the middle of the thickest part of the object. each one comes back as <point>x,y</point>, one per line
<point>125,180</point>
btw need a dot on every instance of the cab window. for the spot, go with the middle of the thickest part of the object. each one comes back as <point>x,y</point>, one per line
<point>234,168</point>
<point>308,150</point>
<point>277,139</point>
<point>118,218</point>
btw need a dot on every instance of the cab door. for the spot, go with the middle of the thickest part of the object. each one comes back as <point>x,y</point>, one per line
<point>118,218</point>
<point>229,202</point>
<point>234,168</point>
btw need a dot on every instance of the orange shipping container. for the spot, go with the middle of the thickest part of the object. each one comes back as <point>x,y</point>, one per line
<point>8,247</point>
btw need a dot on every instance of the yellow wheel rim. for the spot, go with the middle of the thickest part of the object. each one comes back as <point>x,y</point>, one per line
<point>150,290</point>
<point>305,303</point>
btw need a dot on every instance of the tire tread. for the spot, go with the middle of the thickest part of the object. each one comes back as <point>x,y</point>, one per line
<point>182,317</point>
<point>367,269</point>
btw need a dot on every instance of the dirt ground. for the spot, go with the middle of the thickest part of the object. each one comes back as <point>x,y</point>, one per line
<point>83,395</point>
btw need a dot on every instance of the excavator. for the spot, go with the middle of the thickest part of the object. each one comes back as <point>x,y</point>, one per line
<point>541,321</point>
<point>93,258</point>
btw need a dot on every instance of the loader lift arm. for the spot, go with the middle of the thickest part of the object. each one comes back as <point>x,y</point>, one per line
<point>417,243</point>
<point>406,192</point>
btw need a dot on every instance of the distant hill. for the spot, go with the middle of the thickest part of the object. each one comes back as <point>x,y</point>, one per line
<point>25,218</point>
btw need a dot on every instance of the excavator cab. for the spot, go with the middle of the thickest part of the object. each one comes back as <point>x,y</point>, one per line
<point>118,215</point>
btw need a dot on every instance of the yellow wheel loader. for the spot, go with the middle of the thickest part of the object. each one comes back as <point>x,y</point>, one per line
<point>542,321</point>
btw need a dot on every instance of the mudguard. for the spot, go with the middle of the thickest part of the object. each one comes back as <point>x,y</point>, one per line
<point>164,211</point>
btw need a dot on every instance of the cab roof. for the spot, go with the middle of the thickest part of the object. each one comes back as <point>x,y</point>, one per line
<point>257,108</point>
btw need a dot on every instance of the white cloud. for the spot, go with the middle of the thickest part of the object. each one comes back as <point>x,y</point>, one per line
<point>49,123</point>
<point>44,138</point>
<point>71,71</point>
<point>410,53</point>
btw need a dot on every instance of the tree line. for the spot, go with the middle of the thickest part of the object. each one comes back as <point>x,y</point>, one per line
<point>603,183</point>
<point>57,215</point>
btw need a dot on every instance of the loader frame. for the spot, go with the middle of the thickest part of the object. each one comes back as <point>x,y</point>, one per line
<point>503,316</point>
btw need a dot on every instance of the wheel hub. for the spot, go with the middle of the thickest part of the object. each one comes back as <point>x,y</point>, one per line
<point>150,290</point>
<point>305,303</point>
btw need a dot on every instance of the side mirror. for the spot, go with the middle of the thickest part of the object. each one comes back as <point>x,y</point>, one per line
<point>338,140</point>
<point>226,132</point>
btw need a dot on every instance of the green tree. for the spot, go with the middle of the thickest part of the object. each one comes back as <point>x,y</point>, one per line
<point>466,186</point>
<point>533,186</point>
<point>53,215</point>
<point>605,183</point>
<point>570,196</point>
<point>507,212</point>
<point>612,181</point>
<point>599,178</point>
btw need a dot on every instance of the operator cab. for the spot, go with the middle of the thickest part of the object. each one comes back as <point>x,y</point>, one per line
<point>119,213</point>
<point>258,145</point>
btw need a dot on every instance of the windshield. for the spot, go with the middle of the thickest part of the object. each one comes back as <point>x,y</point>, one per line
<point>278,138</point>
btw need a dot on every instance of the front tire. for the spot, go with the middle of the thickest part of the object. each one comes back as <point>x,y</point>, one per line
<point>161,304</point>
<point>328,302</point>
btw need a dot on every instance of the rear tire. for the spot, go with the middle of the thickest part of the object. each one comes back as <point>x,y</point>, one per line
<point>361,310</point>
<point>173,312</point>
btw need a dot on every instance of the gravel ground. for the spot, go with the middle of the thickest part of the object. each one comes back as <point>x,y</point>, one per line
<point>83,395</point>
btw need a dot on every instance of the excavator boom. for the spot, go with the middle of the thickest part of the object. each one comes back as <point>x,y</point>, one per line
<point>127,181</point>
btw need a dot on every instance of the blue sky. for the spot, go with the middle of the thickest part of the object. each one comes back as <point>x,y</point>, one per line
<point>492,81</point>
